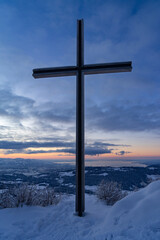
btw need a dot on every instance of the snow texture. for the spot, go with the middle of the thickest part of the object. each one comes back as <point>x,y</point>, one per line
<point>91,188</point>
<point>135,217</point>
<point>68,174</point>
<point>153,177</point>
<point>103,174</point>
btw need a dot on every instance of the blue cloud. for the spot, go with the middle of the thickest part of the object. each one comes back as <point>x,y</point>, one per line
<point>96,148</point>
<point>32,144</point>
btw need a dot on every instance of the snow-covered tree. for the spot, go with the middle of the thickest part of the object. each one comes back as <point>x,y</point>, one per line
<point>110,192</point>
<point>28,195</point>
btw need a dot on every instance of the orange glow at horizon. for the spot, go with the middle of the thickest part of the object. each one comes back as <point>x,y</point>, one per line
<point>38,156</point>
<point>63,156</point>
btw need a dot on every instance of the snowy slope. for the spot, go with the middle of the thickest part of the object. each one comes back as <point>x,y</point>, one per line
<point>135,217</point>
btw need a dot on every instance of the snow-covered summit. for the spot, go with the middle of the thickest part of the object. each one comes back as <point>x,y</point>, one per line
<point>137,216</point>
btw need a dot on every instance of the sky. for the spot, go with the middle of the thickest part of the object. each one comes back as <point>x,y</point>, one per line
<point>122,110</point>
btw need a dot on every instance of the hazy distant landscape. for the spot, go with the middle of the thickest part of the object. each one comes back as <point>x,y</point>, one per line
<point>63,177</point>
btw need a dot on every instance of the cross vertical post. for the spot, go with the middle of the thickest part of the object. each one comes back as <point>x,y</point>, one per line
<point>80,176</point>
<point>79,71</point>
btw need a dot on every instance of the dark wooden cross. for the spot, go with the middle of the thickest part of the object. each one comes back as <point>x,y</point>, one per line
<point>79,71</point>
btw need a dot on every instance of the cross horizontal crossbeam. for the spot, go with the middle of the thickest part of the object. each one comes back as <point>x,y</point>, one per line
<point>86,69</point>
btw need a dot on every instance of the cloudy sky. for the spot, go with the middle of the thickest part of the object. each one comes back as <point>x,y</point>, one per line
<point>122,110</point>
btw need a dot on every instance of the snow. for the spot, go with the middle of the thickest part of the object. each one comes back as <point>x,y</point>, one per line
<point>9,174</point>
<point>42,186</point>
<point>120,169</point>
<point>91,188</point>
<point>30,173</point>
<point>136,217</point>
<point>2,190</point>
<point>42,175</point>
<point>7,182</point>
<point>68,174</point>
<point>103,174</point>
<point>152,168</point>
<point>153,177</point>
<point>69,185</point>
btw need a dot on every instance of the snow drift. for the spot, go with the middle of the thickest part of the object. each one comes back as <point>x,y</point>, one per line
<point>137,216</point>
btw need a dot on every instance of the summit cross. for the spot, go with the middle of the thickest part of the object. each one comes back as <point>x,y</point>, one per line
<point>79,71</point>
